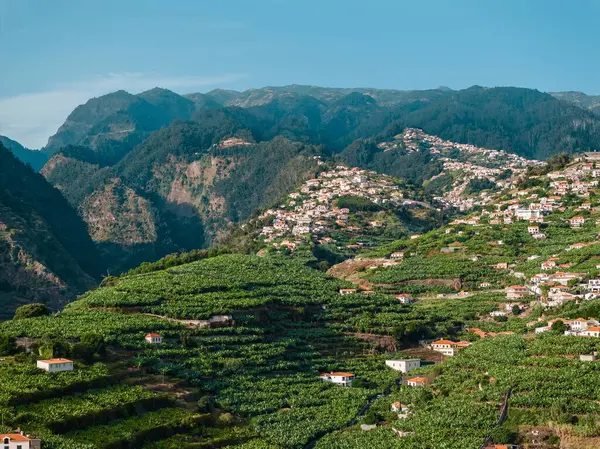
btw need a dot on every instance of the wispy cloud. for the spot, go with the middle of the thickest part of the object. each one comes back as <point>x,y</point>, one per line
<point>31,118</point>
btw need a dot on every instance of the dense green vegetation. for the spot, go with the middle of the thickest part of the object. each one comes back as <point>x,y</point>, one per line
<point>46,253</point>
<point>261,374</point>
<point>523,121</point>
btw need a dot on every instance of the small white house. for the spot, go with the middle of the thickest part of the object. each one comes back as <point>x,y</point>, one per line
<point>154,339</point>
<point>398,255</point>
<point>405,299</point>
<point>55,365</point>
<point>347,291</point>
<point>417,382</point>
<point>338,378</point>
<point>399,407</point>
<point>593,285</point>
<point>404,366</point>
<point>577,222</point>
<point>18,441</point>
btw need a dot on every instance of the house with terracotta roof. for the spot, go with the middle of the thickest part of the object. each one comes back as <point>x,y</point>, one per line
<point>417,382</point>
<point>564,277</point>
<point>18,441</point>
<point>449,348</point>
<point>582,324</point>
<point>338,378</point>
<point>154,339</point>
<point>577,222</point>
<point>401,409</point>
<point>516,291</point>
<point>55,365</point>
<point>549,264</point>
<point>398,255</point>
<point>347,291</point>
<point>593,331</point>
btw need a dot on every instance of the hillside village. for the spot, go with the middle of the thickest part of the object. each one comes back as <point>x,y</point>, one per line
<point>557,224</point>
<point>316,213</point>
<point>464,163</point>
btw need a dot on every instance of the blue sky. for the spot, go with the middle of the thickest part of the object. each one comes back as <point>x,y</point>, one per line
<point>58,53</point>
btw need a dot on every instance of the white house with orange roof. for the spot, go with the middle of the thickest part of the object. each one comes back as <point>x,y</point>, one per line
<point>593,331</point>
<point>18,441</point>
<point>516,291</point>
<point>347,291</point>
<point>338,377</point>
<point>153,338</point>
<point>449,348</point>
<point>577,221</point>
<point>397,255</point>
<point>582,324</point>
<point>55,365</point>
<point>417,382</point>
<point>549,264</point>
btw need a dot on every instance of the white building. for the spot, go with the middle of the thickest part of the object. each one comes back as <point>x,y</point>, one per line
<point>404,366</point>
<point>338,378</point>
<point>594,285</point>
<point>18,441</point>
<point>591,332</point>
<point>405,299</point>
<point>154,339</point>
<point>55,365</point>
<point>516,291</point>
<point>576,222</point>
<point>449,348</point>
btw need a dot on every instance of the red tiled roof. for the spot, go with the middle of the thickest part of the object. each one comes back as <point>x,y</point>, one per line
<point>418,379</point>
<point>14,437</point>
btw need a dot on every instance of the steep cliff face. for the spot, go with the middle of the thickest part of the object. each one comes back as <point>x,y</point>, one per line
<point>115,213</point>
<point>45,252</point>
<point>181,189</point>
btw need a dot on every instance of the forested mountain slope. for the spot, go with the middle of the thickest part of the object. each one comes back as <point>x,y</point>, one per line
<point>179,190</point>
<point>46,254</point>
<point>522,121</point>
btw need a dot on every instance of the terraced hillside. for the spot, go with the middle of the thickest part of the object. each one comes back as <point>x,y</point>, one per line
<point>252,383</point>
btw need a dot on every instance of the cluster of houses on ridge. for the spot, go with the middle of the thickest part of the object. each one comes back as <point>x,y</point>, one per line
<point>579,327</point>
<point>475,163</point>
<point>555,289</point>
<point>311,211</point>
